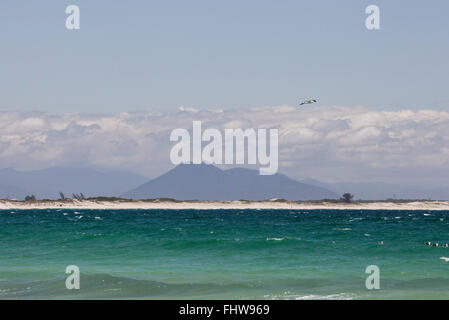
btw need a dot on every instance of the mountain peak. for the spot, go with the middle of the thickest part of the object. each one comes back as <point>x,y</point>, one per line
<point>208,183</point>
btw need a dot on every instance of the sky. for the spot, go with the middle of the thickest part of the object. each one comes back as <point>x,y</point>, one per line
<point>109,94</point>
<point>142,55</point>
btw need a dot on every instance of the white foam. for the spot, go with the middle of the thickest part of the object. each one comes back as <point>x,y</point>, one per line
<point>289,295</point>
<point>338,296</point>
<point>275,239</point>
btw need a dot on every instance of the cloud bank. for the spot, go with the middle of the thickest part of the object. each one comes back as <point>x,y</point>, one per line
<point>326,143</point>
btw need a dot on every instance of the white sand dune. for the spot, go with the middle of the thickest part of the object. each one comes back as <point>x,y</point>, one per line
<point>210,205</point>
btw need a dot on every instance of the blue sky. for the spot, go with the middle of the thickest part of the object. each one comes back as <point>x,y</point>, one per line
<point>143,55</point>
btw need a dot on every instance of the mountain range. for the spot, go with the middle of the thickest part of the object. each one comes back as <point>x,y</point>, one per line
<point>47,183</point>
<point>383,191</point>
<point>195,182</point>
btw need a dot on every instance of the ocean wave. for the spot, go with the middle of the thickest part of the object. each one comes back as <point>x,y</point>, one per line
<point>292,296</point>
<point>282,239</point>
<point>337,296</point>
<point>105,286</point>
<point>100,286</point>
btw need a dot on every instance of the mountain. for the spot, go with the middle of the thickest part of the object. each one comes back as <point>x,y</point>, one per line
<point>383,191</point>
<point>207,182</point>
<point>47,183</point>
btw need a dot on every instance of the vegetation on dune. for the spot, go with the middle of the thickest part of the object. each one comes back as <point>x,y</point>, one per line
<point>347,197</point>
<point>100,198</point>
<point>161,200</point>
<point>30,198</point>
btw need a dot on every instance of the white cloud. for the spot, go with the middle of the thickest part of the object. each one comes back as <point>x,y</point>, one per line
<point>327,143</point>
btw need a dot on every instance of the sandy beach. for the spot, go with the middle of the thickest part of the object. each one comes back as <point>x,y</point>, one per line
<point>206,205</point>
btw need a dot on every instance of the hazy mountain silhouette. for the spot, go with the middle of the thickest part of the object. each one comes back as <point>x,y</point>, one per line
<point>195,182</point>
<point>12,192</point>
<point>207,182</point>
<point>383,191</point>
<point>47,183</point>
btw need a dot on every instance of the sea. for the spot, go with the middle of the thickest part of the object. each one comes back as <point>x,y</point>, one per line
<point>224,254</point>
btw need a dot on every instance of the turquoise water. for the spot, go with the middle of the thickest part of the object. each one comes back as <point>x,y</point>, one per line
<point>223,254</point>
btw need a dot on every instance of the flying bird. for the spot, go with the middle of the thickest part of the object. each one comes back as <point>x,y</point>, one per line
<point>310,101</point>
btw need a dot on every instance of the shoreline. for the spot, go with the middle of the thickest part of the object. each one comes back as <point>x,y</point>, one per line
<point>163,204</point>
